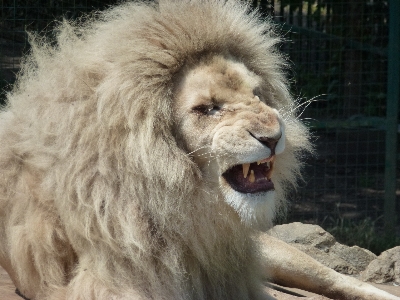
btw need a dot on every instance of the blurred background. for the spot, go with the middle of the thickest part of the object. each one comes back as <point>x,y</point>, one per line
<point>345,75</point>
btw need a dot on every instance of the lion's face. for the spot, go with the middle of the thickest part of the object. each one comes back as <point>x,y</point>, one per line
<point>232,133</point>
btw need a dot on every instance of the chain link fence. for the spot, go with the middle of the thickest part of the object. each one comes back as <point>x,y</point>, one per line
<point>340,54</point>
<point>17,17</point>
<point>339,51</point>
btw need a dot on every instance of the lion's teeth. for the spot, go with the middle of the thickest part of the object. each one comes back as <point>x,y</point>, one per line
<point>259,162</point>
<point>252,178</point>
<point>271,168</point>
<point>269,159</point>
<point>246,168</point>
<point>268,164</point>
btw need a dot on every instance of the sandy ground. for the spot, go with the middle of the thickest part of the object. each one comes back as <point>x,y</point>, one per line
<point>7,291</point>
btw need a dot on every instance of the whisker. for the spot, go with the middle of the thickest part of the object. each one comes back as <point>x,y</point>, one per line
<point>298,105</point>
<point>198,149</point>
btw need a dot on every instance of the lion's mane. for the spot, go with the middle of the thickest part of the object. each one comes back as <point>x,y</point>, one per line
<point>96,197</point>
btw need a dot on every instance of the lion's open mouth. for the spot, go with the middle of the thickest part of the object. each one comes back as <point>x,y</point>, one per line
<point>251,177</point>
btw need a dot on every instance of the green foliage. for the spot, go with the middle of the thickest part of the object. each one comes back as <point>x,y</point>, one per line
<point>365,180</point>
<point>363,233</point>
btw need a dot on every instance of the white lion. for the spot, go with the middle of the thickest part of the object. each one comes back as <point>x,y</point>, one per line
<point>142,151</point>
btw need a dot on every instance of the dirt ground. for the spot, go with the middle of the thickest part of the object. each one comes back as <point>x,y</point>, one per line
<point>7,291</point>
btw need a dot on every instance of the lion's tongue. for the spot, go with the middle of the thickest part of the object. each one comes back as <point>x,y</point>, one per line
<point>256,180</point>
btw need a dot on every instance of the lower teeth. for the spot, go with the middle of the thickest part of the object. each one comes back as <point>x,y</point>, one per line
<point>252,177</point>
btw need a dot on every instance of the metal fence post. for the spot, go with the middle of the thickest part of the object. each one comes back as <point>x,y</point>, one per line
<point>393,97</point>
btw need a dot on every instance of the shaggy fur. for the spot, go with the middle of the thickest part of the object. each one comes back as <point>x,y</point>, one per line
<point>99,197</point>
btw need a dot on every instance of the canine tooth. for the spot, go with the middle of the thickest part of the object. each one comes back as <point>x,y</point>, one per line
<point>258,162</point>
<point>271,168</point>
<point>246,168</point>
<point>252,178</point>
<point>269,159</point>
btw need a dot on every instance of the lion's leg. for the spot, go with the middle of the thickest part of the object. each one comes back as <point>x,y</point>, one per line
<point>290,267</point>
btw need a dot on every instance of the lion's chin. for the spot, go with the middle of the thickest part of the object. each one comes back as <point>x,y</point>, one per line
<point>256,210</point>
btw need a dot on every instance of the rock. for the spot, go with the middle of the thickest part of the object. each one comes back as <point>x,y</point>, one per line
<point>357,257</point>
<point>322,246</point>
<point>385,268</point>
<point>305,234</point>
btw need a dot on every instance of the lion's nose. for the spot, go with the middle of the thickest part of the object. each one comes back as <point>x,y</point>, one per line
<point>269,142</point>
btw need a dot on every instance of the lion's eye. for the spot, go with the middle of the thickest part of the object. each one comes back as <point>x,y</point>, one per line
<point>206,109</point>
